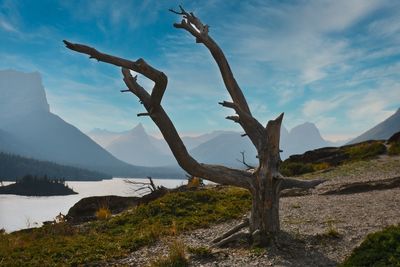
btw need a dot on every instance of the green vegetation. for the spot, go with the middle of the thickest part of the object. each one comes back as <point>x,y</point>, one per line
<point>365,150</point>
<point>311,162</point>
<point>394,149</point>
<point>359,168</point>
<point>201,252</point>
<point>288,168</point>
<point>258,251</point>
<point>103,213</point>
<point>37,186</point>
<point>378,249</point>
<point>13,167</point>
<point>63,245</point>
<point>331,231</point>
<point>176,256</point>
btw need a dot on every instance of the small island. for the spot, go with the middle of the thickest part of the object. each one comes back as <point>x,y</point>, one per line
<point>37,186</point>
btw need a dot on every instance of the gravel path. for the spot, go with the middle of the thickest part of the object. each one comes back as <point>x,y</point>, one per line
<point>317,230</point>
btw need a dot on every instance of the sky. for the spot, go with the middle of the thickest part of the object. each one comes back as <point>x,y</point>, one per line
<point>334,63</point>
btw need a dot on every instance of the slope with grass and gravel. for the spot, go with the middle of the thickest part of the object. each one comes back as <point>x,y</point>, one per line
<point>317,230</point>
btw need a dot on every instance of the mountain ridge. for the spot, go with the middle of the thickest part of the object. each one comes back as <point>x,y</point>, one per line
<point>216,147</point>
<point>49,137</point>
<point>382,130</point>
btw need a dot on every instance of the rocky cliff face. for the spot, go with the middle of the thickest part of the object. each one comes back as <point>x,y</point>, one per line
<point>21,93</point>
<point>25,115</point>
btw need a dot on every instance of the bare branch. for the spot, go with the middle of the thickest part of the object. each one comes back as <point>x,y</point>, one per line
<point>201,35</point>
<point>233,118</point>
<point>243,161</point>
<point>288,183</point>
<point>140,66</point>
<point>215,173</point>
<point>143,114</point>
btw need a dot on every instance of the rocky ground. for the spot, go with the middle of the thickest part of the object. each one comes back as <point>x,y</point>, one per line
<point>317,230</point>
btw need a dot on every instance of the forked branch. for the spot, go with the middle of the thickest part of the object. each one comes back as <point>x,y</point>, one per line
<point>152,103</point>
<point>200,31</point>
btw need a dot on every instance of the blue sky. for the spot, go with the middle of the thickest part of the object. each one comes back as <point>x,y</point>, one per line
<point>335,63</point>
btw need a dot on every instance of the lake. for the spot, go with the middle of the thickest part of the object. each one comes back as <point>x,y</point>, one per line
<point>19,212</point>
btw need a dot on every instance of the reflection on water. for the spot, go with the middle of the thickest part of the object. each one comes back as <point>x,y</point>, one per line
<point>18,212</point>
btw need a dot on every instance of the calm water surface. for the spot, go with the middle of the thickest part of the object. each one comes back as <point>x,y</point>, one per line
<point>19,212</point>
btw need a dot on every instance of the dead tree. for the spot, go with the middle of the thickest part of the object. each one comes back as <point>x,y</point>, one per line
<point>265,182</point>
<point>143,188</point>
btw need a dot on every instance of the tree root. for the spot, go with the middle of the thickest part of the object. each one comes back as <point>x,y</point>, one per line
<point>232,234</point>
<point>234,237</point>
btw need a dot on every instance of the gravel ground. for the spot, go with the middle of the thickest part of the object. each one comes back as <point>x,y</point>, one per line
<point>317,230</point>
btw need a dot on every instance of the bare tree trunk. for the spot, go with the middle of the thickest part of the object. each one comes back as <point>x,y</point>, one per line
<point>265,182</point>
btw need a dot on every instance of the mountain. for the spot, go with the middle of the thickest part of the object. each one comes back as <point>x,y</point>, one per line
<point>225,148</point>
<point>382,131</point>
<point>103,137</point>
<point>11,144</point>
<point>194,141</point>
<point>137,147</point>
<point>25,114</point>
<point>218,147</point>
<point>13,167</point>
<point>300,139</point>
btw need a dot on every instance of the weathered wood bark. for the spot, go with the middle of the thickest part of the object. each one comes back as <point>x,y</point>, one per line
<point>265,181</point>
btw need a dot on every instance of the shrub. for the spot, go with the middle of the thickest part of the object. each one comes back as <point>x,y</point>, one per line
<point>366,150</point>
<point>201,252</point>
<point>321,166</point>
<point>194,182</point>
<point>332,232</point>
<point>103,213</point>
<point>176,256</point>
<point>378,249</point>
<point>394,149</point>
<point>295,168</point>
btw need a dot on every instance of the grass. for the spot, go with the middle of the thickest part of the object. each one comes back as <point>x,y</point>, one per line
<point>366,150</point>
<point>288,168</point>
<point>201,252</point>
<point>394,149</point>
<point>64,245</point>
<point>258,251</point>
<point>331,232</point>
<point>359,168</point>
<point>176,256</point>
<point>350,154</point>
<point>378,249</point>
<point>103,213</point>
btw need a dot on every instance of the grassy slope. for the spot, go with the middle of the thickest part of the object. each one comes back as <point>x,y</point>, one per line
<point>358,168</point>
<point>61,244</point>
<point>99,241</point>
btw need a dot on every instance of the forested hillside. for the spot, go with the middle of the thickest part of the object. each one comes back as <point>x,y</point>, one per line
<point>13,167</point>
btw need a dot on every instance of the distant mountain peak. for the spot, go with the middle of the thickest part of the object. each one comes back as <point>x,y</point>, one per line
<point>306,128</point>
<point>21,93</point>
<point>381,131</point>
<point>138,130</point>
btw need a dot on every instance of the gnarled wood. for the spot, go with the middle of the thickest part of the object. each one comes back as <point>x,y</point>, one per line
<point>265,182</point>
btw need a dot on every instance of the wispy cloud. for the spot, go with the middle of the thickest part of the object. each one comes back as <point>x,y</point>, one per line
<point>320,61</point>
<point>116,14</point>
<point>297,36</point>
<point>7,26</point>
